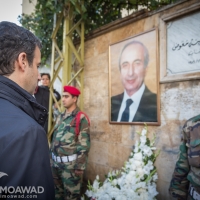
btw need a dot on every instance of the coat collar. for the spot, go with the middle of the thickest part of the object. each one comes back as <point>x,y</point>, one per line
<point>12,92</point>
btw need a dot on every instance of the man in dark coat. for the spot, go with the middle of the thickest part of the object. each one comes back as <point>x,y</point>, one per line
<point>24,154</point>
<point>137,103</point>
<point>42,95</point>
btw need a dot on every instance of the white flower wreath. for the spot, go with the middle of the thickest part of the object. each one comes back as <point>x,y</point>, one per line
<point>136,180</point>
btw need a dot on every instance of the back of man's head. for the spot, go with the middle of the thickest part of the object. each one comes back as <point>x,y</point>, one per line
<point>13,41</point>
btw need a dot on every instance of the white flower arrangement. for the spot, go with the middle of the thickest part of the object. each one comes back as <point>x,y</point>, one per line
<point>136,180</point>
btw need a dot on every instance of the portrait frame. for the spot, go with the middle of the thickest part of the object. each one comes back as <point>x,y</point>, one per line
<point>180,43</point>
<point>151,81</point>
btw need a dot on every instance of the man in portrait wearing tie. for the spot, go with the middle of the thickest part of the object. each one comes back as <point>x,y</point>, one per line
<point>137,103</point>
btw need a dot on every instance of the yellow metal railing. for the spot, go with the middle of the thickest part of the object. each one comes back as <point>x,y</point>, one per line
<point>69,61</point>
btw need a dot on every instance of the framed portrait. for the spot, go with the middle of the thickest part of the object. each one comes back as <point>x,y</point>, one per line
<point>134,80</point>
<point>180,52</point>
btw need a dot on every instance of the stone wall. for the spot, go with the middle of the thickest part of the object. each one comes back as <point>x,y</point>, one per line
<point>112,144</point>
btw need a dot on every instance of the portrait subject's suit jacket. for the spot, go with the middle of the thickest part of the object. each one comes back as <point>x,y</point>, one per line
<point>147,109</point>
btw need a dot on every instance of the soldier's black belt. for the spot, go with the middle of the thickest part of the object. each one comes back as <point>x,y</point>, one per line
<point>194,193</point>
<point>64,158</point>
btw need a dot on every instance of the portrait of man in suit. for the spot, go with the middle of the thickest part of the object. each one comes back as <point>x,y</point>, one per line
<point>136,103</point>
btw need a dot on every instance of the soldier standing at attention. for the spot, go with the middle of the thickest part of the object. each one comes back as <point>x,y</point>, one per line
<point>185,183</point>
<point>69,147</point>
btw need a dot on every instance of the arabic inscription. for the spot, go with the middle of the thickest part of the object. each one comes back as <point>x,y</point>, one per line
<point>183,45</point>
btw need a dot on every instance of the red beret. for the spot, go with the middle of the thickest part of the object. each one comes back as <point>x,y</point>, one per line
<point>72,90</point>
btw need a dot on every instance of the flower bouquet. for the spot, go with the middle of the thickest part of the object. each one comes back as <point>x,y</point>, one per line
<point>135,181</point>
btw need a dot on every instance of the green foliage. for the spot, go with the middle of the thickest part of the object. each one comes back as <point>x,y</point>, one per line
<point>96,13</point>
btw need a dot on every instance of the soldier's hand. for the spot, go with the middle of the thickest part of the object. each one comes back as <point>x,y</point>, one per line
<point>78,172</point>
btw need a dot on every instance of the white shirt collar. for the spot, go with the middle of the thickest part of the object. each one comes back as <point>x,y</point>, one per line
<point>136,96</point>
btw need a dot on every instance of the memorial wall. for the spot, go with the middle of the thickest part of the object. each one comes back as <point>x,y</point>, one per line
<point>174,75</point>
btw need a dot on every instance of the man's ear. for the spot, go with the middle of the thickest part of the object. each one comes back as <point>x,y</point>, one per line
<point>22,61</point>
<point>75,99</point>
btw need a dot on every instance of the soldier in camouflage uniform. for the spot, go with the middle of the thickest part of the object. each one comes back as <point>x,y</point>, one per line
<point>185,183</point>
<point>69,147</point>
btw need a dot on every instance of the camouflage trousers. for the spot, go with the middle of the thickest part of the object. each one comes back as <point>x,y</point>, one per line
<point>183,197</point>
<point>67,184</point>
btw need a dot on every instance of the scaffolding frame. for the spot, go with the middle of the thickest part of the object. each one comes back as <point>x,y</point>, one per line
<point>70,59</point>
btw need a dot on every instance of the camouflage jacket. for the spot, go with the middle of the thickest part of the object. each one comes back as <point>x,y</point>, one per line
<point>187,169</point>
<point>65,142</point>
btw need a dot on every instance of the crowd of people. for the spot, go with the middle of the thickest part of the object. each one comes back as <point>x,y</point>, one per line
<point>56,172</point>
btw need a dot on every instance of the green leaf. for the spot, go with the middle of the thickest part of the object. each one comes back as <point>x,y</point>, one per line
<point>95,14</point>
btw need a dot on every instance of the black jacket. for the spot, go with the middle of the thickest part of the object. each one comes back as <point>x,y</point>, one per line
<point>42,96</point>
<point>147,109</point>
<point>24,152</point>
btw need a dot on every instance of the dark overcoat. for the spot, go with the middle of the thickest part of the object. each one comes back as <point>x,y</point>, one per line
<point>24,152</point>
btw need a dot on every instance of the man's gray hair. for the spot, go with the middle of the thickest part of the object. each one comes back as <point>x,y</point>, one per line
<point>146,52</point>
